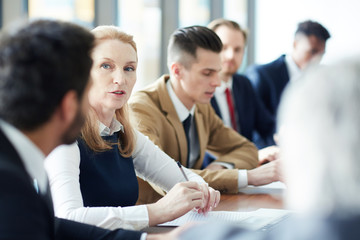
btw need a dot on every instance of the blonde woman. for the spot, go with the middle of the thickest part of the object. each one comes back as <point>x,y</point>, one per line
<point>94,180</point>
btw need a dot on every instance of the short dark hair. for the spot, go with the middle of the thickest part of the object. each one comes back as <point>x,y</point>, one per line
<point>39,63</point>
<point>215,24</point>
<point>313,28</point>
<point>185,41</point>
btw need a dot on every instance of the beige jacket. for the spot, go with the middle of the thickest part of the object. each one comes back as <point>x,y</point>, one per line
<point>153,114</point>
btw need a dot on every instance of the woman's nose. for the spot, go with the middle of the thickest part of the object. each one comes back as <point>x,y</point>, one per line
<point>118,78</point>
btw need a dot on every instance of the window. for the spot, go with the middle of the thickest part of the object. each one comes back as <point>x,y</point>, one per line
<point>194,12</point>
<point>81,12</point>
<point>142,19</point>
<point>236,10</point>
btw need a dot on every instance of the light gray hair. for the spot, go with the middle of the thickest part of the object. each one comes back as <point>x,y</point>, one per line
<point>319,128</point>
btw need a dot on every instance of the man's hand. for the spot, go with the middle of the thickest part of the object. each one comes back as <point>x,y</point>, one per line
<point>265,174</point>
<point>268,154</point>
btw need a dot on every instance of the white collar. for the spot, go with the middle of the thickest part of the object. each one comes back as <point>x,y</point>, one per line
<point>293,69</point>
<point>221,89</point>
<point>180,108</point>
<point>115,126</point>
<point>30,154</point>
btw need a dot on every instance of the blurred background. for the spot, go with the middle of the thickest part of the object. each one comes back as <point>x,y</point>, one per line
<point>271,23</point>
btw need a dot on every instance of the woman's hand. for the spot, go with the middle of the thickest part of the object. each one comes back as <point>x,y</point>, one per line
<point>182,198</point>
<point>212,198</point>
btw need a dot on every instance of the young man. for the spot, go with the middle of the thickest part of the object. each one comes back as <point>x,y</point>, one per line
<point>235,101</point>
<point>269,80</point>
<point>163,112</point>
<point>44,71</point>
<point>326,123</point>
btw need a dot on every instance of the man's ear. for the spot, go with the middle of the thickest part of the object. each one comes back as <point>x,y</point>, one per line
<point>69,107</point>
<point>176,70</point>
<point>294,44</point>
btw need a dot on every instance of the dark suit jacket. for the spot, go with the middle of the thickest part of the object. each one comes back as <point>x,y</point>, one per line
<point>251,114</point>
<point>269,81</point>
<point>329,228</point>
<point>24,214</point>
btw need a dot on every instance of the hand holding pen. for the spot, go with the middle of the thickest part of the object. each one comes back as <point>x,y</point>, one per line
<point>212,197</point>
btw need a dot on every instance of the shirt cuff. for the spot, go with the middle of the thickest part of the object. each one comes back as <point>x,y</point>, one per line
<point>224,164</point>
<point>243,179</point>
<point>143,236</point>
<point>135,217</point>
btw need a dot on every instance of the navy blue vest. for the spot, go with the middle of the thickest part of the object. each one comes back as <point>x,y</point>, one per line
<point>107,178</point>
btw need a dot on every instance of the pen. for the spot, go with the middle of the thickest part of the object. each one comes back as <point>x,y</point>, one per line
<point>182,171</point>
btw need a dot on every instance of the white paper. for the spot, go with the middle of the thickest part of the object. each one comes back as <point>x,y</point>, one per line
<point>251,220</point>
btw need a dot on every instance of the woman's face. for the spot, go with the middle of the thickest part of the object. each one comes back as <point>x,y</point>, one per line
<point>113,75</point>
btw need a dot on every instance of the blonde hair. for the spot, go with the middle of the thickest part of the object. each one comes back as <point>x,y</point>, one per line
<point>90,130</point>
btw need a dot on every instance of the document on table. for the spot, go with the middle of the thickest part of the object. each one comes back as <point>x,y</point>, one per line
<point>251,220</point>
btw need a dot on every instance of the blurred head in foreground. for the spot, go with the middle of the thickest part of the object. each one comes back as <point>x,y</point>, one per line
<point>320,137</point>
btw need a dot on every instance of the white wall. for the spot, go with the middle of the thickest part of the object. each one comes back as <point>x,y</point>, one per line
<point>276,22</point>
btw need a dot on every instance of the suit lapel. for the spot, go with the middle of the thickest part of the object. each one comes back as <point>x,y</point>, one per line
<point>215,105</point>
<point>168,108</point>
<point>199,120</point>
<point>238,93</point>
<point>13,158</point>
<point>6,148</point>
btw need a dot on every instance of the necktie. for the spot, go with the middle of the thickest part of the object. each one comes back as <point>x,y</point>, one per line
<point>231,108</point>
<point>187,123</point>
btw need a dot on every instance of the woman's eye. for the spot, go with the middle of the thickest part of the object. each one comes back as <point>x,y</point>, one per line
<point>105,66</point>
<point>129,69</point>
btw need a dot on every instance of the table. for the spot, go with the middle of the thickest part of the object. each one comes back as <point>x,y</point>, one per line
<point>237,202</point>
<point>249,202</point>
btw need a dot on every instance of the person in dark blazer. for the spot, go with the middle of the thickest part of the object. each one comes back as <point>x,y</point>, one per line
<point>44,72</point>
<point>326,123</point>
<point>250,116</point>
<point>269,80</point>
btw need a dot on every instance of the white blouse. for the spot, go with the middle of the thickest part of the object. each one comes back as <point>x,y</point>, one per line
<point>151,164</point>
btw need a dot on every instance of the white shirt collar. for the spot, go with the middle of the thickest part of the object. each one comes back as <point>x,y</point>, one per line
<point>293,70</point>
<point>180,108</point>
<point>221,89</point>
<point>115,126</point>
<point>30,154</point>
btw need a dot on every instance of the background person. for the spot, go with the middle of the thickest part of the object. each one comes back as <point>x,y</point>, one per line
<point>269,80</point>
<point>235,101</point>
<point>323,114</point>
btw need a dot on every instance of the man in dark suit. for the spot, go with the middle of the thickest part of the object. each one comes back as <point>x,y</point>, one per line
<point>44,71</point>
<point>269,80</point>
<point>235,100</point>
<point>326,123</point>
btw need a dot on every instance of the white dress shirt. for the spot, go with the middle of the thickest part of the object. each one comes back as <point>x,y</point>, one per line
<point>183,112</point>
<point>220,97</point>
<point>293,69</point>
<point>30,155</point>
<point>150,163</point>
